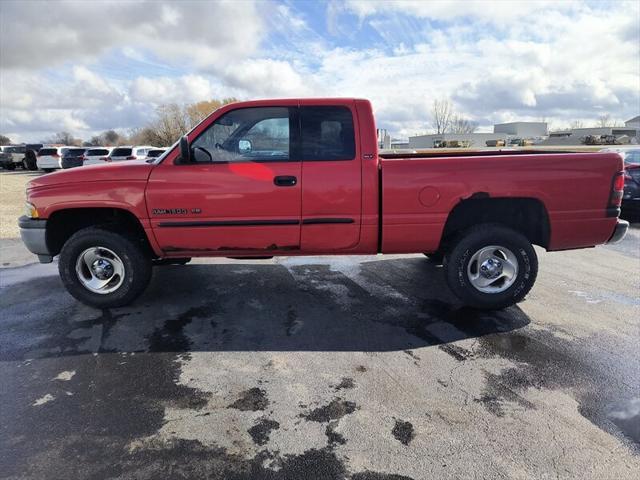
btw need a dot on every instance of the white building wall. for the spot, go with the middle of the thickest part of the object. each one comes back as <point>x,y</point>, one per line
<point>522,129</point>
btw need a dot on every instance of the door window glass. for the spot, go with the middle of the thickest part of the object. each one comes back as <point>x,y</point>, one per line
<point>247,134</point>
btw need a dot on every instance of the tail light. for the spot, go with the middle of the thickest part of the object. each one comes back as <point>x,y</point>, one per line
<point>105,159</point>
<point>56,155</point>
<point>617,189</point>
<point>131,157</point>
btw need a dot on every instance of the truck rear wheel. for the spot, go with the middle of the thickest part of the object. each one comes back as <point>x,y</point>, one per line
<point>103,269</point>
<point>491,267</point>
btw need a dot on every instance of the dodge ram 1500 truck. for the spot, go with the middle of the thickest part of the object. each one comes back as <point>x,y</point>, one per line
<point>304,177</point>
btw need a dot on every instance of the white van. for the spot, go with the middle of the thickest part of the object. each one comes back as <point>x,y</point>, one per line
<point>97,155</point>
<point>50,158</point>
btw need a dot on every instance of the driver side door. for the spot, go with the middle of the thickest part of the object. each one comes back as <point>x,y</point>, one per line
<point>242,194</point>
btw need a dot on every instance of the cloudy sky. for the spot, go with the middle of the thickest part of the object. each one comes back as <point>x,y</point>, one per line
<point>85,67</point>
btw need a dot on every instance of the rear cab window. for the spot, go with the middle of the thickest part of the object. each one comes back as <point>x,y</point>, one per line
<point>48,151</point>
<point>327,133</point>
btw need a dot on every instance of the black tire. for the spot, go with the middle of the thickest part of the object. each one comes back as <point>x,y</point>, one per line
<point>137,267</point>
<point>473,240</point>
<point>48,170</point>
<point>30,161</point>
<point>10,166</point>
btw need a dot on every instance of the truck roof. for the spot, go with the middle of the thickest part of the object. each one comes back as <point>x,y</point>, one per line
<point>301,101</point>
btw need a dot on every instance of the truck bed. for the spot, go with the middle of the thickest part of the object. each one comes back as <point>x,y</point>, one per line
<point>420,190</point>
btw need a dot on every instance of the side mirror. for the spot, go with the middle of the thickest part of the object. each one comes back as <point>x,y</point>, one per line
<point>244,146</point>
<point>185,150</point>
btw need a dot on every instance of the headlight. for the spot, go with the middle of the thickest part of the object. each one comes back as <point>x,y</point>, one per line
<point>31,210</point>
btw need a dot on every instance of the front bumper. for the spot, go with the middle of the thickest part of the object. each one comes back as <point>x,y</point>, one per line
<point>33,233</point>
<point>619,232</point>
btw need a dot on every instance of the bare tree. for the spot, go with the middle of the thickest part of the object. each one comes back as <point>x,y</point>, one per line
<point>201,110</point>
<point>441,112</point>
<point>4,140</point>
<point>173,120</point>
<point>64,138</point>
<point>110,137</point>
<point>605,121</point>
<point>95,141</point>
<point>576,124</point>
<point>462,125</point>
<point>145,136</point>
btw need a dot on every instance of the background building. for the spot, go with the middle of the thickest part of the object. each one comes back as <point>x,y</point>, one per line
<point>522,129</point>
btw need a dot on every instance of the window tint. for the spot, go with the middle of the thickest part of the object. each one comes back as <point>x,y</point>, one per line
<point>327,133</point>
<point>74,152</point>
<point>155,153</point>
<point>97,151</point>
<point>248,134</point>
<point>48,151</point>
<point>121,152</point>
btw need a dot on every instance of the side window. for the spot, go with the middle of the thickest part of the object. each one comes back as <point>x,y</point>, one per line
<point>247,134</point>
<point>327,133</point>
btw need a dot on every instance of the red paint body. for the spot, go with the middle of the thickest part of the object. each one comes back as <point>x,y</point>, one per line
<point>410,206</point>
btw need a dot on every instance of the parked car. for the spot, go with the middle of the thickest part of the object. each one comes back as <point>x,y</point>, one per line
<point>235,186</point>
<point>631,195</point>
<point>97,155</point>
<point>5,156</point>
<point>155,152</point>
<point>72,157</point>
<point>13,156</point>
<point>119,154</point>
<point>49,158</point>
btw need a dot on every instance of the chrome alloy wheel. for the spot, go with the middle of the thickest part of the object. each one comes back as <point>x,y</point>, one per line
<point>100,270</point>
<point>492,269</point>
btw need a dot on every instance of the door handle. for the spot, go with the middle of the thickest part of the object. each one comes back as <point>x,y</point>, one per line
<point>285,181</point>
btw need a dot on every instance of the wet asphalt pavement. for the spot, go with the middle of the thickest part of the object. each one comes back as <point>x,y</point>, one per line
<point>324,368</point>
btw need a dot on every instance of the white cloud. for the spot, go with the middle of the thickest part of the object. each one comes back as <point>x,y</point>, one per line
<point>205,34</point>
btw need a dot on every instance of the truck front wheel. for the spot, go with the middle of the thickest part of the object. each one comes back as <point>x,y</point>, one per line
<point>491,267</point>
<point>103,269</point>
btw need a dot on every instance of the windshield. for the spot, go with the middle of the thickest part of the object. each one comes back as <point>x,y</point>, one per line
<point>632,157</point>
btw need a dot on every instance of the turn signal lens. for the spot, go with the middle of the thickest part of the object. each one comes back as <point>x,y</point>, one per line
<point>31,210</point>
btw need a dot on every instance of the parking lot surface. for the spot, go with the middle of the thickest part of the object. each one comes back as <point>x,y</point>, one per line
<point>359,368</point>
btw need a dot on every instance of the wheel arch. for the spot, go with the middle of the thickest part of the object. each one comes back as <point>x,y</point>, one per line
<point>525,215</point>
<point>63,223</point>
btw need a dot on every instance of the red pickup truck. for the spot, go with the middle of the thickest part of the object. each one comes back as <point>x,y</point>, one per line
<point>304,177</point>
